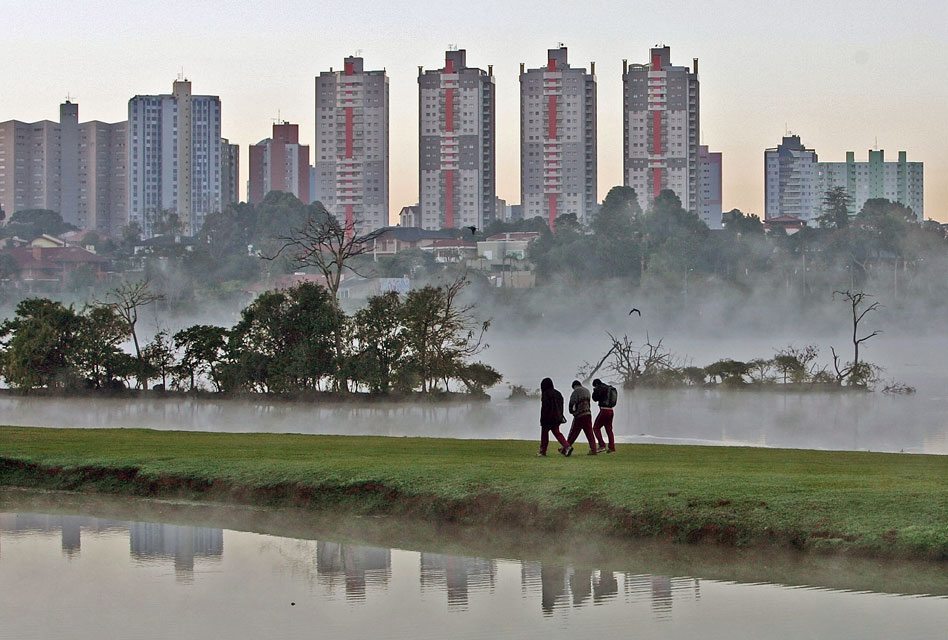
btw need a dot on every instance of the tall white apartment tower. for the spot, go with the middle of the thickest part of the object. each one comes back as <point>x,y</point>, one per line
<point>558,139</point>
<point>174,150</point>
<point>456,155</point>
<point>661,129</point>
<point>351,154</point>
<point>790,181</point>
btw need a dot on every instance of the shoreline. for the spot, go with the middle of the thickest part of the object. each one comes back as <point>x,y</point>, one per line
<point>852,503</point>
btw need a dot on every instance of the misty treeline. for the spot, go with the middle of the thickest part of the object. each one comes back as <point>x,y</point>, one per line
<point>286,342</point>
<point>652,364</point>
<point>668,247</point>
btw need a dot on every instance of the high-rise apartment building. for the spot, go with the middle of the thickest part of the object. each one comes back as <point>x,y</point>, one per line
<point>76,169</point>
<point>279,163</point>
<point>456,150</point>
<point>351,155</point>
<point>174,157</point>
<point>709,186</point>
<point>558,139</point>
<point>30,166</point>
<point>790,189</point>
<point>661,129</point>
<point>230,173</point>
<point>901,181</point>
<point>795,181</point>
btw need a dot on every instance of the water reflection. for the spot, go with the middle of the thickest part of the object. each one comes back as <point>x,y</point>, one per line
<point>352,567</point>
<point>346,569</point>
<point>148,541</point>
<point>52,591</point>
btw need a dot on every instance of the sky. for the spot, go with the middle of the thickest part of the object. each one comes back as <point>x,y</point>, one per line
<point>846,76</point>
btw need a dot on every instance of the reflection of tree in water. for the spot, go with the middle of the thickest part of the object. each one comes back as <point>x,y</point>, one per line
<point>353,566</point>
<point>458,574</point>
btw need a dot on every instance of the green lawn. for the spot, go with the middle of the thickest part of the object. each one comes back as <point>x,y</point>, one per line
<point>884,504</point>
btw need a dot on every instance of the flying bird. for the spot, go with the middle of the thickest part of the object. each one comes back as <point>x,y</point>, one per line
<point>635,311</point>
<point>473,229</point>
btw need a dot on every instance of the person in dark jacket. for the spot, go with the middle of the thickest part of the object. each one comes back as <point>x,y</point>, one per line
<point>551,416</point>
<point>604,417</point>
<point>579,406</point>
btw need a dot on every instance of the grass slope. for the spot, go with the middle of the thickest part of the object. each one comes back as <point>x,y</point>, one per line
<point>868,503</point>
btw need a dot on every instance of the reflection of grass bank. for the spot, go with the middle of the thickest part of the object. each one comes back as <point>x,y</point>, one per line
<point>865,503</point>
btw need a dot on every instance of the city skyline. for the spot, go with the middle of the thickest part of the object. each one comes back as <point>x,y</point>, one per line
<point>840,98</point>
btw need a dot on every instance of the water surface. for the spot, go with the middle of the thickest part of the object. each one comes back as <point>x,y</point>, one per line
<point>80,571</point>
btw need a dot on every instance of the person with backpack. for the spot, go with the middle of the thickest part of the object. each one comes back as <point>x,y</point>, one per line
<point>607,396</point>
<point>551,417</point>
<point>579,403</point>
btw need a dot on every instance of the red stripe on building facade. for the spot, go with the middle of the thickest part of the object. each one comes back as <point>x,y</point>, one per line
<point>657,150</point>
<point>552,205</point>
<point>449,198</point>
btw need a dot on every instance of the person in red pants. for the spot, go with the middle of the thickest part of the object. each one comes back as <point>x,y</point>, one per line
<point>579,406</point>
<point>606,396</point>
<point>551,416</point>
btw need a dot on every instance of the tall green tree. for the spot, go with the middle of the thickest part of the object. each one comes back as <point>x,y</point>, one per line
<point>836,205</point>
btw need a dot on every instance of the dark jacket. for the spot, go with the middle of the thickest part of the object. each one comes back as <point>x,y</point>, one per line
<point>601,395</point>
<point>551,405</point>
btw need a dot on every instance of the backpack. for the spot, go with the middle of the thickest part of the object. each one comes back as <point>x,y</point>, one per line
<point>612,398</point>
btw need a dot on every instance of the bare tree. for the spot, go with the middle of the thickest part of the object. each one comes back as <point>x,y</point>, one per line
<point>632,362</point>
<point>856,372</point>
<point>325,244</point>
<point>127,299</point>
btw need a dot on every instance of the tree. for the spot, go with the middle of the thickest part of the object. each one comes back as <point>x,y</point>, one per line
<point>736,221</point>
<point>857,373</point>
<point>836,205</point>
<point>728,371</point>
<point>378,355</point>
<point>203,351</point>
<point>39,345</point>
<point>127,299</point>
<point>440,333</point>
<point>325,244</point>
<point>285,342</point>
<point>30,223</point>
<point>159,356</point>
<point>97,348</point>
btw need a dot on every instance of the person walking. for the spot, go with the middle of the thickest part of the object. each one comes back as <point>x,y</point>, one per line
<point>579,407</point>
<point>551,417</point>
<point>606,395</point>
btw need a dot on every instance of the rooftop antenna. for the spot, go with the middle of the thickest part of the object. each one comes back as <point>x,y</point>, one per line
<point>876,148</point>
<point>70,98</point>
<point>786,128</point>
<point>358,53</point>
<point>278,119</point>
<point>181,74</point>
<point>452,47</point>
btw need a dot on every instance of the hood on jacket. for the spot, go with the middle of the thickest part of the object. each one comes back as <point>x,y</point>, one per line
<point>546,384</point>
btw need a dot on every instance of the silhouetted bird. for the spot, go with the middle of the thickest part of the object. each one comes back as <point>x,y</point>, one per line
<point>473,229</point>
<point>635,311</point>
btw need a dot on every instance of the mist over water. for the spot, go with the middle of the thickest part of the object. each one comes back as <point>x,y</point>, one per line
<point>554,330</point>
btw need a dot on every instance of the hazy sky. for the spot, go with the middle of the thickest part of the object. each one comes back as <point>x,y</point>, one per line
<point>841,74</point>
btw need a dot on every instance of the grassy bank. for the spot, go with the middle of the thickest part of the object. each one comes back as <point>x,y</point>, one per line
<point>863,503</point>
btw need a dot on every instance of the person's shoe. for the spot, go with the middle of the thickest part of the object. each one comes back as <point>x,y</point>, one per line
<point>569,451</point>
<point>562,451</point>
<point>592,452</point>
<point>602,447</point>
<point>541,454</point>
<point>611,450</point>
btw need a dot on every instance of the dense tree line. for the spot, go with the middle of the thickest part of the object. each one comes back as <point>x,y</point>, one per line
<point>667,248</point>
<point>287,342</point>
